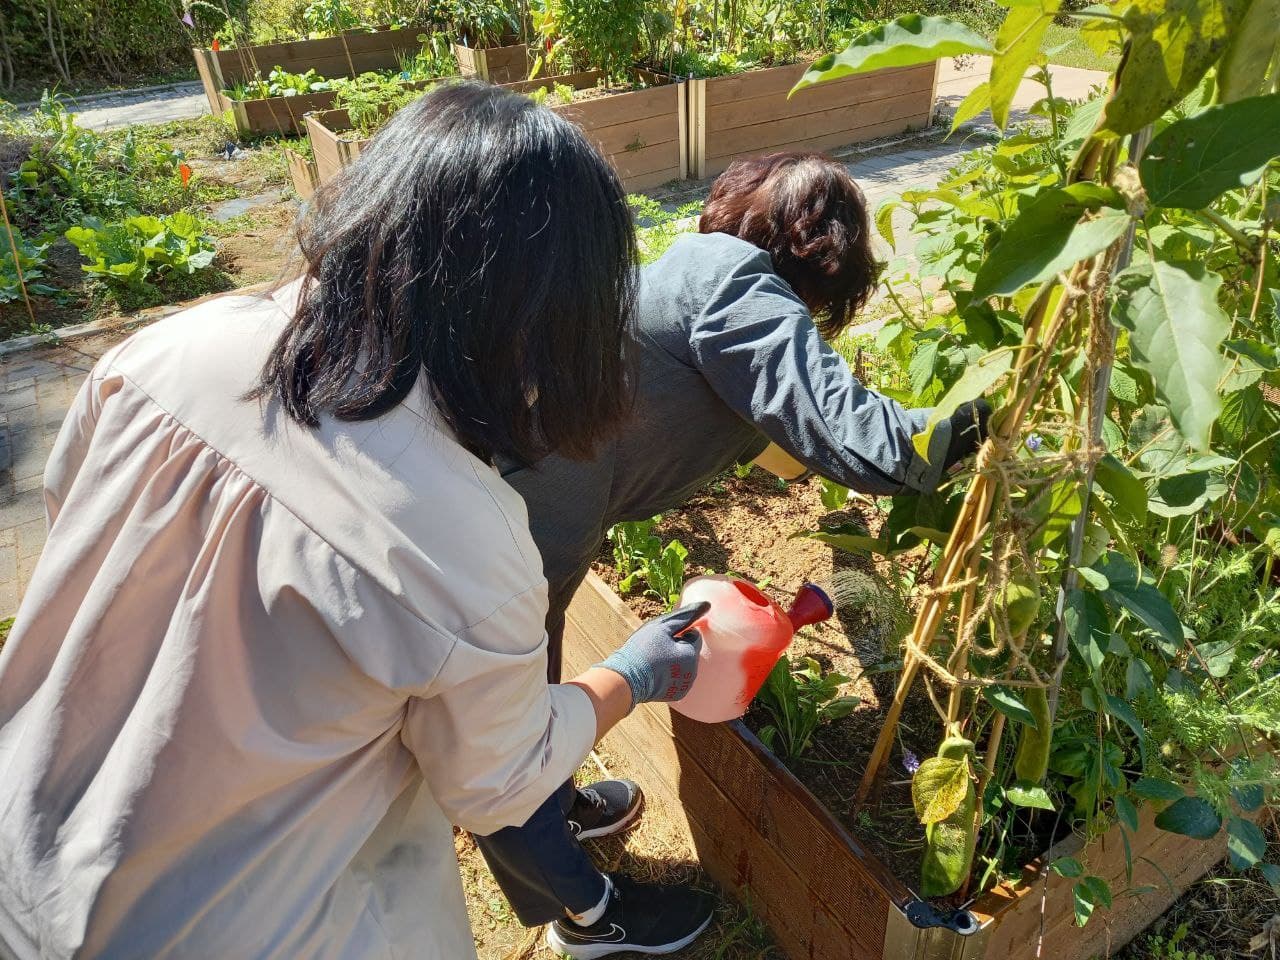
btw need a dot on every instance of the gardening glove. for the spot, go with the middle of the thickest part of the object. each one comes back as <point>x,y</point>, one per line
<point>660,660</point>
<point>968,430</point>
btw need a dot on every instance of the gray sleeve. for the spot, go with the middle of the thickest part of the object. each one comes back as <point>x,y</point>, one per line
<point>758,347</point>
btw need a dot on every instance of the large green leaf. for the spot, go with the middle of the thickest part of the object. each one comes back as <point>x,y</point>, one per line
<point>1243,68</point>
<point>976,380</point>
<point>1017,44</point>
<point>1192,162</point>
<point>1172,44</point>
<point>1190,817</point>
<point>908,40</point>
<point>1127,591</point>
<point>1126,490</point>
<point>1088,627</point>
<point>1246,844</point>
<point>1176,326</point>
<point>1046,237</point>
<point>939,787</point>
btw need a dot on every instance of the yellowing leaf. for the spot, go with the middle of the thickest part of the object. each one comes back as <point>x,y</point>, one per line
<point>938,788</point>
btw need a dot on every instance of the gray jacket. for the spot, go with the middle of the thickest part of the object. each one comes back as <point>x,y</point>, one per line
<point>729,360</point>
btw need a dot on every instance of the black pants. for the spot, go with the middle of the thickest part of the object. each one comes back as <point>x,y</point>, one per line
<point>541,867</point>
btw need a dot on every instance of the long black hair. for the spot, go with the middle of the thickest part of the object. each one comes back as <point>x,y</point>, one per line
<point>482,241</point>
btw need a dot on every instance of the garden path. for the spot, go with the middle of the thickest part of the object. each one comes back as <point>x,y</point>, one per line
<point>113,111</point>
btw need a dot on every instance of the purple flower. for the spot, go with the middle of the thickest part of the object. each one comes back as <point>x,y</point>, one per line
<point>1035,442</point>
<point>910,761</point>
<point>186,18</point>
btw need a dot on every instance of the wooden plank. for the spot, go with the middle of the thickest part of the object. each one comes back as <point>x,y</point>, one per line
<point>741,113</point>
<point>302,171</point>
<point>716,165</point>
<point>579,81</point>
<point>619,108</point>
<point>279,114</point>
<point>637,137</point>
<point>321,129</point>
<point>847,121</point>
<point>505,64</point>
<point>328,56</point>
<point>778,81</point>
<point>204,68</point>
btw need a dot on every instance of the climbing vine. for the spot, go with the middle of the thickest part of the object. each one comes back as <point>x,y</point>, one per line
<point>1108,280</point>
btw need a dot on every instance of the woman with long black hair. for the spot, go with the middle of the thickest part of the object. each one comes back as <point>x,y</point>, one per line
<point>289,622</point>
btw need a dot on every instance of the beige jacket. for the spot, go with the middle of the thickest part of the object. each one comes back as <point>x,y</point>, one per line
<point>260,669</point>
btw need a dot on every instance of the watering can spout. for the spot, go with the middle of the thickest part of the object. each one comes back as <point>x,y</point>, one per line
<point>810,606</point>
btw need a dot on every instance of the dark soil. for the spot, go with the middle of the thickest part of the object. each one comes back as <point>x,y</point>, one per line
<point>744,527</point>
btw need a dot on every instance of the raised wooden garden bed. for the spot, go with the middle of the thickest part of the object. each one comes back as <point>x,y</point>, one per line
<point>331,151</point>
<point>762,835</point>
<point>505,64</point>
<point>302,171</point>
<point>749,113</point>
<point>643,133</point>
<point>331,57</point>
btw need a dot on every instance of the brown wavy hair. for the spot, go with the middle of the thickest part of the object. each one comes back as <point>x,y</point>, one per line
<point>808,213</point>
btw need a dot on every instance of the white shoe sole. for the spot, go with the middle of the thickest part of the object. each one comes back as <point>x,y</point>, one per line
<point>593,951</point>
<point>617,827</point>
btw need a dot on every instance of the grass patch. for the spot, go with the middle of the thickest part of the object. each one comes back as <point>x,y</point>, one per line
<point>1076,53</point>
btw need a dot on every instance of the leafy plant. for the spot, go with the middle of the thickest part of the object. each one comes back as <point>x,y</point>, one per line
<point>30,262</point>
<point>280,83</point>
<point>639,555</point>
<point>634,545</point>
<point>141,251</point>
<point>798,698</point>
<point>328,18</point>
<point>1107,579</point>
<point>604,33</point>
<point>485,23</point>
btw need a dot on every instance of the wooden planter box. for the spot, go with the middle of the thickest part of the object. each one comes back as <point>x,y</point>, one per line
<point>506,64</point>
<point>331,151</point>
<point>760,834</point>
<point>643,133</point>
<point>749,113</point>
<point>346,56</point>
<point>302,171</point>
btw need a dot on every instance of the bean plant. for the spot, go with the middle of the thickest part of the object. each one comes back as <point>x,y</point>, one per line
<point>1099,630</point>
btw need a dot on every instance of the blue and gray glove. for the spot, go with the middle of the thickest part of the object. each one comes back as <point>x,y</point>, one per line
<point>660,660</point>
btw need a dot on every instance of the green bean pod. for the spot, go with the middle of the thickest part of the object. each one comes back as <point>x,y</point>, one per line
<point>950,843</point>
<point>1031,762</point>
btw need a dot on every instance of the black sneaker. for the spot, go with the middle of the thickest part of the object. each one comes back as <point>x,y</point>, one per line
<point>648,918</point>
<point>604,808</point>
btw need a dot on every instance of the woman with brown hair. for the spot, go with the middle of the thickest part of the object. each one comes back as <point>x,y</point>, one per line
<point>734,366</point>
